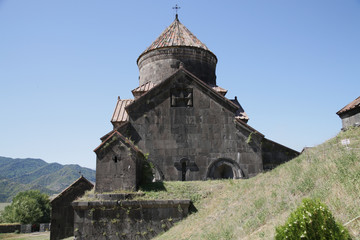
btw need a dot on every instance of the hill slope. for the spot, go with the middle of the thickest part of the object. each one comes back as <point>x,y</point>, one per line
<point>251,208</point>
<point>18,175</point>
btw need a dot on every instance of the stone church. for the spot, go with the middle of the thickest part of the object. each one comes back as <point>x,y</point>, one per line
<point>181,122</point>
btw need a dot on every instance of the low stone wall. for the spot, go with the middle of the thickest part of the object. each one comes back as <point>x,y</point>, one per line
<point>44,227</point>
<point>126,219</point>
<point>25,228</point>
<point>274,154</point>
<point>9,228</point>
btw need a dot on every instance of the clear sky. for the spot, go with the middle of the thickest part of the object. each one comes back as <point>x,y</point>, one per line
<point>292,64</point>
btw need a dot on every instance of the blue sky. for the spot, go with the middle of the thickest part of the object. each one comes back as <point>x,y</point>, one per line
<point>292,64</point>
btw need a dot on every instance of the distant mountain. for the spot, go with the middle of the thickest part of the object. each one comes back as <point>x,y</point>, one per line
<point>17,175</point>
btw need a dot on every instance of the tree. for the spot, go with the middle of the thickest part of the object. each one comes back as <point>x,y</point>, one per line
<point>28,207</point>
<point>312,221</point>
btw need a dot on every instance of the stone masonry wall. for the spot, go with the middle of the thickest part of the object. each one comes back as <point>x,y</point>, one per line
<point>352,118</point>
<point>158,65</point>
<point>198,135</point>
<point>118,166</point>
<point>126,219</point>
<point>10,228</point>
<point>275,154</point>
<point>62,213</point>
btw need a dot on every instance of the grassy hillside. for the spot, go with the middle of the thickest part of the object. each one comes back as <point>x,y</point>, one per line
<point>251,208</point>
<point>18,175</point>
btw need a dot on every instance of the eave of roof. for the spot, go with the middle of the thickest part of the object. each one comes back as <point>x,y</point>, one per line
<point>353,105</point>
<point>123,139</point>
<point>214,93</point>
<point>175,35</point>
<point>119,129</point>
<point>247,126</point>
<point>81,178</point>
<point>120,114</point>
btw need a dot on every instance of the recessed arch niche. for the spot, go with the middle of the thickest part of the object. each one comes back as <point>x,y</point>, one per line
<point>224,169</point>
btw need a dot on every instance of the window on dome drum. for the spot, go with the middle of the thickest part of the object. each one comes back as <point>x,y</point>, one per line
<point>181,97</point>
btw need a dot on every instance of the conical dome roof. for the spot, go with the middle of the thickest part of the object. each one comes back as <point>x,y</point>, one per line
<point>176,35</point>
<point>174,47</point>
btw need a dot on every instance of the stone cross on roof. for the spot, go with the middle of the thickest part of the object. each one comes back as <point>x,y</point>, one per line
<point>176,10</point>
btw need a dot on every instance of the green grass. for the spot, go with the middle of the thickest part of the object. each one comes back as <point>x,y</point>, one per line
<point>30,236</point>
<point>251,208</point>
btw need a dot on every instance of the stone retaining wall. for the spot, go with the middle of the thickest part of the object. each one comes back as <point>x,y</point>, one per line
<point>9,228</point>
<point>126,219</point>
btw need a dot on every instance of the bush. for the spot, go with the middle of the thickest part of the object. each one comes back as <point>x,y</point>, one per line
<point>311,221</point>
<point>28,207</point>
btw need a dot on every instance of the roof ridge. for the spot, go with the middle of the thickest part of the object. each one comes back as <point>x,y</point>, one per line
<point>66,189</point>
<point>352,105</point>
<point>176,34</point>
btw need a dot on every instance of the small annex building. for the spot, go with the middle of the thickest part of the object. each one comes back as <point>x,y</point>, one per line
<point>62,212</point>
<point>182,121</point>
<point>350,114</point>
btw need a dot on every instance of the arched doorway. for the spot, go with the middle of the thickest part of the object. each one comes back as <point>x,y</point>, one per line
<point>224,169</point>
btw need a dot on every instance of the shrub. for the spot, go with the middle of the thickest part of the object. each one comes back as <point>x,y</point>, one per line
<point>311,221</point>
<point>28,207</point>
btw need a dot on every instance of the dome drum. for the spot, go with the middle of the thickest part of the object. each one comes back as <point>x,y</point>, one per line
<point>159,64</point>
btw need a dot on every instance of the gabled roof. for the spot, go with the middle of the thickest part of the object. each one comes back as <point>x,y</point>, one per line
<point>353,105</point>
<point>240,113</point>
<point>81,180</point>
<point>220,90</point>
<point>123,139</point>
<point>137,92</point>
<point>246,126</point>
<point>139,103</point>
<point>174,36</point>
<point>121,128</point>
<point>120,115</point>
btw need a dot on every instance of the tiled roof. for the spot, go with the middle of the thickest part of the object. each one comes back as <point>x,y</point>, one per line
<point>240,113</point>
<point>354,104</point>
<point>120,115</point>
<point>123,139</point>
<point>176,35</point>
<point>137,92</point>
<point>80,180</point>
<point>220,90</point>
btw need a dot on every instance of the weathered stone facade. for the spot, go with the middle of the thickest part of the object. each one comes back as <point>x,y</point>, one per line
<point>351,119</point>
<point>118,164</point>
<point>350,114</point>
<point>183,122</point>
<point>159,64</point>
<point>126,219</point>
<point>196,136</point>
<point>62,213</point>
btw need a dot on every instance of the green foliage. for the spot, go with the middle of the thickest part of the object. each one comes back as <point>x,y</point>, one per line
<point>311,221</point>
<point>147,172</point>
<point>18,175</point>
<point>250,138</point>
<point>28,207</point>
